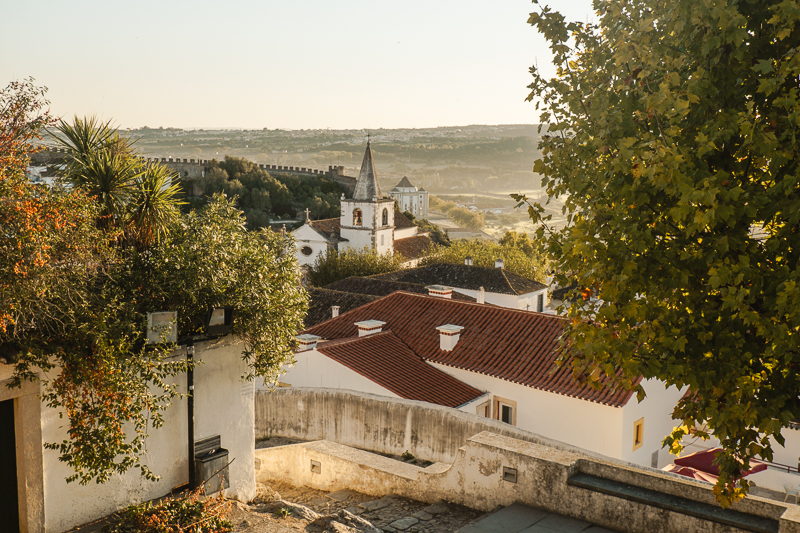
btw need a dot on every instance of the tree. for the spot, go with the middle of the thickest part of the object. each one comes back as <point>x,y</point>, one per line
<point>336,265</point>
<point>137,197</point>
<point>484,253</point>
<point>672,136</point>
<point>434,232</point>
<point>73,306</point>
<point>467,218</point>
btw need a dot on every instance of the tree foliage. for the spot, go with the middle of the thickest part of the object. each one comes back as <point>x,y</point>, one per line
<point>673,139</point>
<point>522,260</point>
<point>74,295</point>
<point>336,265</point>
<point>437,235</point>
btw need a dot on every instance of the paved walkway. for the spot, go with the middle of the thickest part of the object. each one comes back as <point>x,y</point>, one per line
<point>520,518</point>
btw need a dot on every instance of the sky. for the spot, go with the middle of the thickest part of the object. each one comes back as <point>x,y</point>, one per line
<point>289,64</point>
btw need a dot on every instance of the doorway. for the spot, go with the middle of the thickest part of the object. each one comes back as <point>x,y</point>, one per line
<point>9,499</point>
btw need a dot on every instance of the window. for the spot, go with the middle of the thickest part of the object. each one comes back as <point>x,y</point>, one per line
<point>357,217</point>
<point>385,219</point>
<point>638,433</point>
<point>505,410</point>
<point>540,303</point>
<point>381,240</point>
<point>306,250</point>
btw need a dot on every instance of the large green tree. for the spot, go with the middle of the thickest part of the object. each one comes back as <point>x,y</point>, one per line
<point>74,292</point>
<point>672,138</point>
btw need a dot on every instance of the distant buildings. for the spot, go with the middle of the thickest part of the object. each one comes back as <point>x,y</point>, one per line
<point>368,220</point>
<point>410,199</point>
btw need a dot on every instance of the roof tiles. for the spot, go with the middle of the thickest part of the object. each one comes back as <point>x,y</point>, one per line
<point>514,345</point>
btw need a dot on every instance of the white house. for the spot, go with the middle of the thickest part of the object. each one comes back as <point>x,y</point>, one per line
<point>496,285</point>
<point>368,220</point>
<point>32,479</point>
<point>410,198</point>
<point>489,360</point>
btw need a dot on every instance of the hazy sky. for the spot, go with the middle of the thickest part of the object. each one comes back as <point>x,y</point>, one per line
<point>280,64</point>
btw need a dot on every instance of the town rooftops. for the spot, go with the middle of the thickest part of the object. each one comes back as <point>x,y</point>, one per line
<point>497,280</point>
<point>382,287</point>
<point>413,247</point>
<point>514,345</point>
<point>322,300</point>
<point>330,228</point>
<point>384,359</point>
<point>401,221</point>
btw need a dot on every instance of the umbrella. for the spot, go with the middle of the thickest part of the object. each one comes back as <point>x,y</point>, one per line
<point>691,472</point>
<point>704,461</point>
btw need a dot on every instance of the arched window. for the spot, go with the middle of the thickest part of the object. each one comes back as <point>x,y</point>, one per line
<point>357,217</point>
<point>385,217</point>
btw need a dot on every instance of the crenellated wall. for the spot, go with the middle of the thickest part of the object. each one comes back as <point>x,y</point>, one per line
<point>196,168</point>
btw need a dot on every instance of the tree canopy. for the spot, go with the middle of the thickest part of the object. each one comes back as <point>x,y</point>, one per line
<point>336,265</point>
<point>73,295</point>
<point>517,253</point>
<point>672,136</point>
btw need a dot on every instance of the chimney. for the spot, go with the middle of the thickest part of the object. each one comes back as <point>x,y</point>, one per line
<point>306,342</point>
<point>468,260</point>
<point>369,327</point>
<point>448,336</point>
<point>334,311</point>
<point>481,296</point>
<point>499,263</point>
<point>440,290</point>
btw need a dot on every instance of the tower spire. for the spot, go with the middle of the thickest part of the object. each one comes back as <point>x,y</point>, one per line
<point>367,186</point>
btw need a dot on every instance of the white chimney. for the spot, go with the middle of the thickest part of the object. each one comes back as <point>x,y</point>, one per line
<point>306,342</point>
<point>468,260</point>
<point>499,263</point>
<point>481,296</point>
<point>334,311</point>
<point>440,290</point>
<point>448,336</point>
<point>369,327</point>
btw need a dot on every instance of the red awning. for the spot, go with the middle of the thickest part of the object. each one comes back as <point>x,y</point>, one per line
<point>691,472</point>
<point>704,461</point>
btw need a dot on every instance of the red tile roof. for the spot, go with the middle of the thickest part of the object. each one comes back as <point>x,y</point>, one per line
<point>385,360</point>
<point>498,280</point>
<point>329,227</point>
<point>401,221</point>
<point>381,287</point>
<point>514,345</point>
<point>413,247</point>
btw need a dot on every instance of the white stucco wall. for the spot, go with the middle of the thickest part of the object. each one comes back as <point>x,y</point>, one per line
<point>656,409</point>
<point>503,300</point>
<point>313,369</point>
<point>223,405</point>
<point>405,232</point>
<point>585,424</point>
<point>305,235</point>
<point>412,200</point>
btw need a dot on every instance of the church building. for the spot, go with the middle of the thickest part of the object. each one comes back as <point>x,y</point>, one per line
<point>368,220</point>
<point>410,198</point>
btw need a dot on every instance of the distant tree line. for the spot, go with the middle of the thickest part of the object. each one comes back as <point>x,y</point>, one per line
<point>263,197</point>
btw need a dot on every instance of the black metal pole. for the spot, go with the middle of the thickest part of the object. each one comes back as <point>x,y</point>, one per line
<point>190,412</point>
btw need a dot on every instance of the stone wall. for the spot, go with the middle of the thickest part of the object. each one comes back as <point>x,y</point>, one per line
<point>476,479</point>
<point>378,423</point>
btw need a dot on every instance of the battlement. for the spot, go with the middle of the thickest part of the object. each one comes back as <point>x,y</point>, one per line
<point>195,168</point>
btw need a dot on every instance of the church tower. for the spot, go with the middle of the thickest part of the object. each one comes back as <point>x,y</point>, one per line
<point>367,220</point>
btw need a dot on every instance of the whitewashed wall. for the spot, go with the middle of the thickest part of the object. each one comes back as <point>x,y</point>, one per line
<point>307,236</point>
<point>581,423</point>
<point>223,405</point>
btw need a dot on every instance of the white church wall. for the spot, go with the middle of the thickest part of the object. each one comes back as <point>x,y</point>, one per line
<point>309,245</point>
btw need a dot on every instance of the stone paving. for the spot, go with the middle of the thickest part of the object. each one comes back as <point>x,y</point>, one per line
<point>289,504</point>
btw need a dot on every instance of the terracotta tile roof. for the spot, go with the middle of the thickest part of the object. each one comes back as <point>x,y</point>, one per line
<point>498,280</point>
<point>319,308</point>
<point>329,227</point>
<point>401,221</point>
<point>561,293</point>
<point>385,360</point>
<point>382,287</point>
<point>514,345</point>
<point>413,247</point>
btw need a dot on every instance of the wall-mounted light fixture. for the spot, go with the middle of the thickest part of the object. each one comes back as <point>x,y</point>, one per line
<point>219,321</point>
